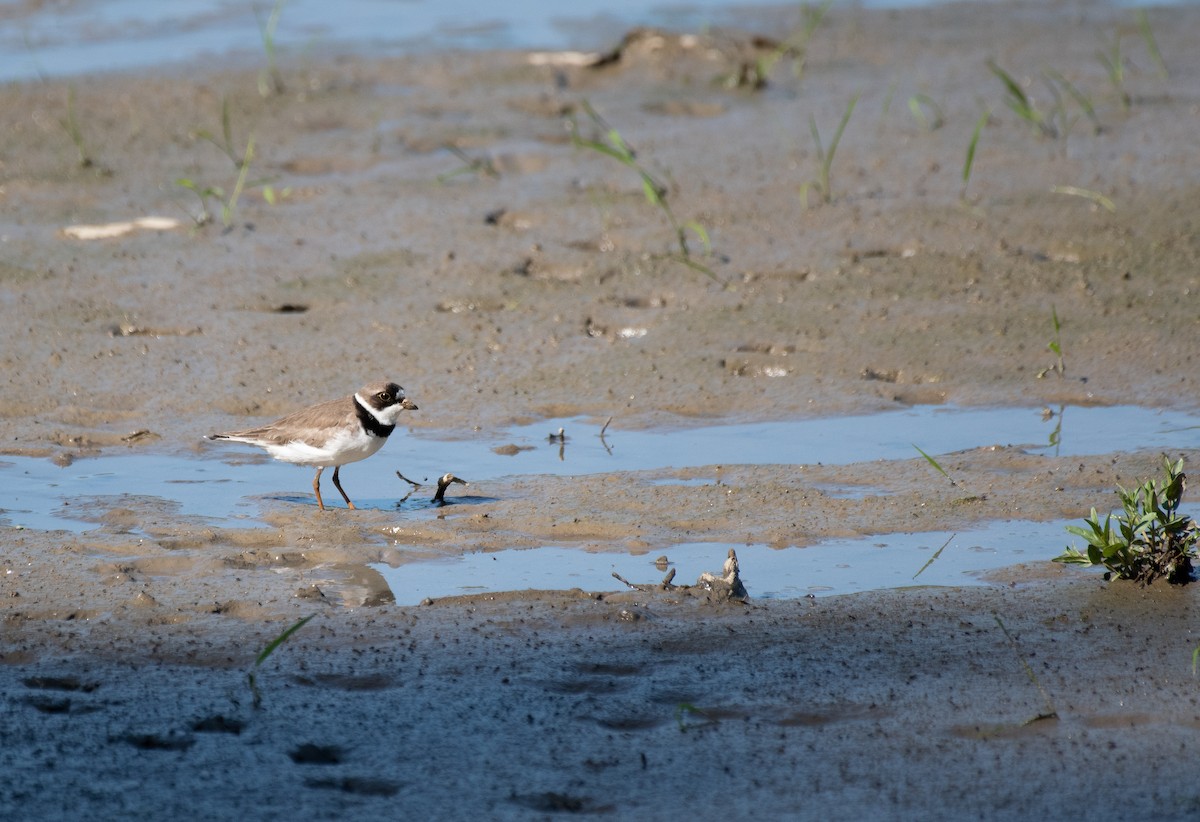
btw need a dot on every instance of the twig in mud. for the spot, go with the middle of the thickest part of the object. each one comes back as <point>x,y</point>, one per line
<point>603,441</point>
<point>727,586</point>
<point>415,485</point>
<point>936,554</point>
<point>444,482</point>
<point>439,497</point>
<point>665,585</point>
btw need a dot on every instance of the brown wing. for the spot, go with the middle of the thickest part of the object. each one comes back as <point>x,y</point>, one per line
<point>310,425</point>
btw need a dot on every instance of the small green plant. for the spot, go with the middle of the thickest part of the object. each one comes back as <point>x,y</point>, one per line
<point>204,194</point>
<point>270,81</point>
<point>1055,348</point>
<point>270,649</point>
<point>1114,66</point>
<point>228,198</point>
<point>228,201</point>
<point>825,157</point>
<point>795,46</point>
<point>935,465</point>
<point>612,144</point>
<point>685,709</point>
<point>482,166</point>
<point>1021,104</point>
<point>1151,539</point>
<point>225,144</point>
<point>969,162</point>
<point>1143,20</point>
<point>1055,78</point>
<point>70,125</point>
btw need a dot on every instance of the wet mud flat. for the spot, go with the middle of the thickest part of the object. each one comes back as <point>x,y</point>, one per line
<point>538,284</point>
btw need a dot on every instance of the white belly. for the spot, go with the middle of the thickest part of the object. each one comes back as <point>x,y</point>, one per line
<point>343,448</point>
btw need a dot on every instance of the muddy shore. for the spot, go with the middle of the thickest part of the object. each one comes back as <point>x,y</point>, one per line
<point>526,278</point>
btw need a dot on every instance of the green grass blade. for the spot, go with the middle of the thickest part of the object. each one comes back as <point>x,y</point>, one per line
<point>230,206</point>
<point>1081,99</point>
<point>934,463</point>
<point>837,135</point>
<point>1151,44</point>
<point>1014,88</point>
<point>282,638</point>
<point>971,146</point>
<point>1049,703</point>
<point>816,136</point>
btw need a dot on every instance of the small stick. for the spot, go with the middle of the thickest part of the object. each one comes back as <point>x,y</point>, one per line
<point>602,430</point>
<point>620,578</point>
<point>444,482</point>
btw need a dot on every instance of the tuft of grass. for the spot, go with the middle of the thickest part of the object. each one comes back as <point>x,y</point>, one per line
<point>1114,66</point>
<point>1143,20</point>
<point>482,166</point>
<point>228,200</point>
<point>204,193</point>
<point>1082,100</point>
<point>1152,540</point>
<point>611,144</point>
<point>70,125</point>
<point>969,162</point>
<point>795,46</point>
<point>825,156</point>
<point>1055,347</point>
<point>270,649</point>
<point>270,80</point>
<point>225,144</point>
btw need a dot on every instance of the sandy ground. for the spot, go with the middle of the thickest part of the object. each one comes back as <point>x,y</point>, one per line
<point>541,284</point>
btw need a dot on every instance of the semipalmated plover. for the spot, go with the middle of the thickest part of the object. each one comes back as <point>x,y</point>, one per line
<point>332,433</point>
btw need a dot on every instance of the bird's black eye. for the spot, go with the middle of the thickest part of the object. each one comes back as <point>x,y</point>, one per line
<point>384,397</point>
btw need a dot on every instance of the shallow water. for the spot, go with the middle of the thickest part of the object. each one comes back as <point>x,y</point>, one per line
<point>90,36</point>
<point>840,566</point>
<point>232,485</point>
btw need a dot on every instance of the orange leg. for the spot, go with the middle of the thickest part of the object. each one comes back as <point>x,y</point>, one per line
<point>317,488</point>
<point>337,483</point>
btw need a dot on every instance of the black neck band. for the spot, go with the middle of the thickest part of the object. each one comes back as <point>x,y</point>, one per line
<point>372,425</point>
